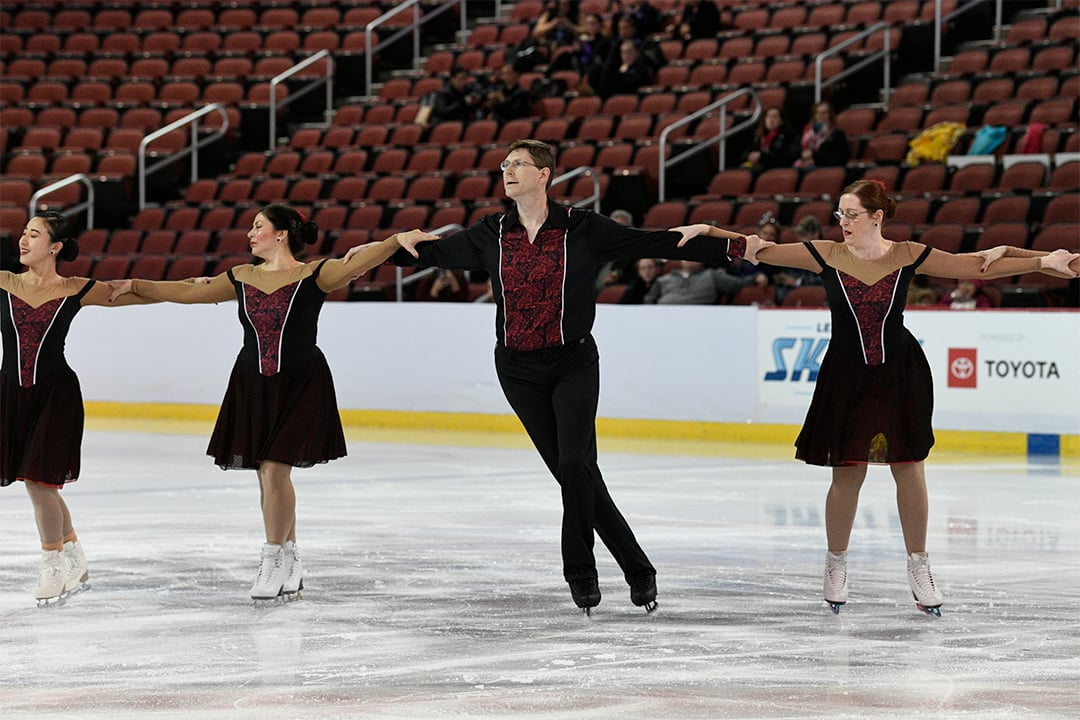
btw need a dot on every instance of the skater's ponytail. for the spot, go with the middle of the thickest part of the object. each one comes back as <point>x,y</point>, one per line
<point>300,231</point>
<point>61,231</point>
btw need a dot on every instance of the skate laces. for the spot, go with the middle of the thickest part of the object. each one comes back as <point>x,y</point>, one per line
<point>836,570</point>
<point>272,560</point>
<point>919,569</point>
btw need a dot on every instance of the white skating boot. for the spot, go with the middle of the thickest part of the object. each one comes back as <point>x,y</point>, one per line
<point>294,572</point>
<point>836,579</point>
<point>271,577</point>
<point>927,597</point>
<point>77,574</point>
<point>51,579</point>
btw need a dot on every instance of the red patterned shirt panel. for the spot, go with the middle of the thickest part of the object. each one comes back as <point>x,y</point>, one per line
<point>871,305</point>
<point>532,277</point>
<point>32,325</point>
<point>267,313</point>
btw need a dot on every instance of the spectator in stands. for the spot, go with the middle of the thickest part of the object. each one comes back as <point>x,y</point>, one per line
<point>700,19</point>
<point>449,286</point>
<point>807,230</point>
<point>921,292</point>
<point>41,405</point>
<point>772,145</point>
<point>459,100</point>
<point>611,272</point>
<point>589,48</point>
<point>648,270</point>
<point>279,409</point>
<point>873,396</point>
<point>558,25</point>
<point>543,259</point>
<point>822,144</point>
<point>626,75</point>
<point>694,284</point>
<point>968,295</point>
<point>508,100</point>
<point>649,53</point>
<point>645,17</point>
<point>768,229</point>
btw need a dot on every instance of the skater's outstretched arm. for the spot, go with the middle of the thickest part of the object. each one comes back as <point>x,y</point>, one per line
<point>994,254</point>
<point>942,264</point>
<point>362,258</point>
<point>189,292</point>
<point>100,294</point>
<point>754,243</point>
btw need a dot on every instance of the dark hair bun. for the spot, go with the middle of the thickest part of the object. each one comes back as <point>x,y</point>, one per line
<point>69,251</point>
<point>309,232</point>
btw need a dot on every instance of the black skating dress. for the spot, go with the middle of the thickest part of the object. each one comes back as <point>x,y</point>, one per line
<point>280,404</point>
<point>41,406</point>
<point>874,394</point>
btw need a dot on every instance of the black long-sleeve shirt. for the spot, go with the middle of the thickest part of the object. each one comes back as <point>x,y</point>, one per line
<point>545,290</point>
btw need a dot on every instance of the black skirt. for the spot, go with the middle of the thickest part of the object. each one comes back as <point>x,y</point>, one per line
<point>291,418</point>
<point>41,429</point>
<point>870,414</point>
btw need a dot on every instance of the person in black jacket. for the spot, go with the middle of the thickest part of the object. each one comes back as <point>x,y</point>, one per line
<point>772,145</point>
<point>543,259</point>
<point>509,100</point>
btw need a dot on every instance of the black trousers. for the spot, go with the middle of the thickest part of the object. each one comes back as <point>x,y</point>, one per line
<point>554,393</point>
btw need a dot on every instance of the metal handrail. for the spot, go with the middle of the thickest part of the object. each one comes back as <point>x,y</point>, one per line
<point>418,20</point>
<point>88,205</point>
<point>588,171</point>
<point>663,163</point>
<point>886,52</point>
<point>196,143</point>
<point>327,80</point>
<point>939,19</point>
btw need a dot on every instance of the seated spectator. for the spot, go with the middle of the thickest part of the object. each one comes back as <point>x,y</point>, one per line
<point>648,269</point>
<point>784,279</point>
<point>694,284</point>
<point>823,144</point>
<point>772,145</point>
<point>968,295</point>
<point>611,272</point>
<point>557,25</point>
<point>508,100</point>
<point>627,75</point>
<point>449,286</point>
<point>920,292</point>
<point>589,49</point>
<point>699,19</point>
<point>645,17</point>
<point>458,100</point>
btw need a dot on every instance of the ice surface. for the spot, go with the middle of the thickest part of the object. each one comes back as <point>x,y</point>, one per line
<point>434,591</point>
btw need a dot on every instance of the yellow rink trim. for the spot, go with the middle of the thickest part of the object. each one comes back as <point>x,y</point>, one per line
<point>703,438</point>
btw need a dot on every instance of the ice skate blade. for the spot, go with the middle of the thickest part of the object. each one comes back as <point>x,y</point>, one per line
<point>82,587</point>
<point>52,602</point>
<point>260,603</point>
<point>650,607</point>
<point>291,597</point>
<point>935,611</point>
<point>835,606</point>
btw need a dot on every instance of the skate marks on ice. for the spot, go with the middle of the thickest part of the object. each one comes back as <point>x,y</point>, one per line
<point>433,590</point>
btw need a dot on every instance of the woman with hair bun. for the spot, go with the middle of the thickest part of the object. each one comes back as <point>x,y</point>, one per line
<point>41,407</point>
<point>279,410</point>
<point>873,398</point>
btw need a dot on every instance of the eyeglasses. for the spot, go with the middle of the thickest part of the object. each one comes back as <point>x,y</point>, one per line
<point>849,214</point>
<point>516,164</point>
